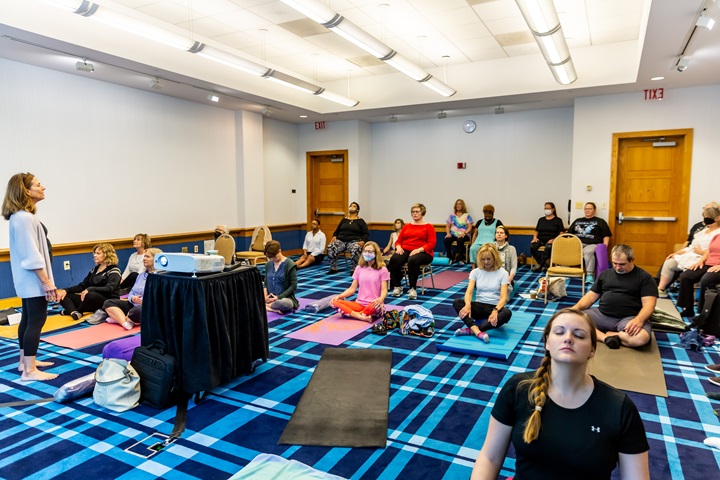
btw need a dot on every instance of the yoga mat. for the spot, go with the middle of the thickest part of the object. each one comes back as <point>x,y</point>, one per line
<point>273,467</point>
<point>346,401</point>
<point>448,278</point>
<point>632,369</point>
<point>271,316</point>
<point>84,337</point>
<point>335,330</point>
<point>54,322</point>
<point>667,305</point>
<point>503,340</point>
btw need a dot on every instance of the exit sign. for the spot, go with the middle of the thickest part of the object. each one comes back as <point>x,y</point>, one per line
<point>320,125</point>
<point>654,93</point>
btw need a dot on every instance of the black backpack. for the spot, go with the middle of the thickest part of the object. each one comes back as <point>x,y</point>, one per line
<point>709,319</point>
<point>156,369</point>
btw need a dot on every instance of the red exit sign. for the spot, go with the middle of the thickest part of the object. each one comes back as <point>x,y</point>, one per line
<point>653,94</point>
<point>320,125</point>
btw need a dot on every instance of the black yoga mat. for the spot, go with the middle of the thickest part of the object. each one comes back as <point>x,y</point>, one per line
<point>346,401</point>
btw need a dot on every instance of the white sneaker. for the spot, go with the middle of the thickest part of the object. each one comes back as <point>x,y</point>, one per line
<point>97,318</point>
<point>412,294</point>
<point>397,291</point>
<point>128,325</point>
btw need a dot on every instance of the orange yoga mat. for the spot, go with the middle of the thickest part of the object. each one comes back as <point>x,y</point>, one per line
<point>54,322</point>
<point>85,337</point>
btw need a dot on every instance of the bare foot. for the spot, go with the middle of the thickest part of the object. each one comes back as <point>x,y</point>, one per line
<point>37,375</point>
<point>38,363</point>
<point>361,317</point>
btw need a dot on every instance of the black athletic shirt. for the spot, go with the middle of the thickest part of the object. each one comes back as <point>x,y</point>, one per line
<point>581,443</point>
<point>549,229</point>
<point>621,295</point>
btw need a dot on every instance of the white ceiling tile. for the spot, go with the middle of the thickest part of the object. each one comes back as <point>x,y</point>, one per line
<point>449,19</point>
<point>465,32</point>
<point>207,8</point>
<point>237,40</point>
<point>276,12</point>
<point>614,36</point>
<point>135,3</point>
<point>506,25</point>
<point>524,49</point>
<point>433,6</point>
<point>167,11</point>
<point>497,9</point>
<point>207,27</point>
<point>243,20</point>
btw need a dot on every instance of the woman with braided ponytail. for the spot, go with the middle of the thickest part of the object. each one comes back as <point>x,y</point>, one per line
<point>563,422</point>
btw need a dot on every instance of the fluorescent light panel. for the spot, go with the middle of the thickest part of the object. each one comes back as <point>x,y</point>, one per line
<point>334,97</point>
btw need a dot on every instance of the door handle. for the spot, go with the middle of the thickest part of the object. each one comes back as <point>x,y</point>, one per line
<point>621,219</point>
<point>318,213</point>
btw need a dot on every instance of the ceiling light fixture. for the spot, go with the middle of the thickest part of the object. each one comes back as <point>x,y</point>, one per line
<point>213,97</point>
<point>542,20</point>
<point>84,66</point>
<point>340,25</point>
<point>392,119</point>
<point>499,110</point>
<point>682,64</point>
<point>148,30</point>
<point>155,84</point>
<point>705,21</point>
<point>442,115</point>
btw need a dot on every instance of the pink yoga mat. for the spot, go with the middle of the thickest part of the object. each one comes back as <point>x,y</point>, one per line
<point>447,279</point>
<point>85,337</point>
<point>335,330</point>
<point>302,303</point>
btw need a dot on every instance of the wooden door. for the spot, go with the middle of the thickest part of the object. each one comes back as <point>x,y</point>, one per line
<point>327,187</point>
<point>650,183</point>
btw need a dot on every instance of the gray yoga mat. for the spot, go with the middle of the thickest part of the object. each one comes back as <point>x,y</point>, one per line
<point>346,401</point>
<point>631,369</point>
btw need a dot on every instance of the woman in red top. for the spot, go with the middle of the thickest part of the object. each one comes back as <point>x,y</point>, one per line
<point>414,246</point>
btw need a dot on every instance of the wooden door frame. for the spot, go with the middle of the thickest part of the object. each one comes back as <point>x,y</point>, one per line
<point>308,168</point>
<point>687,134</point>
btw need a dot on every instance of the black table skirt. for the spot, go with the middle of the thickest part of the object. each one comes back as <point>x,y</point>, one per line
<point>214,325</point>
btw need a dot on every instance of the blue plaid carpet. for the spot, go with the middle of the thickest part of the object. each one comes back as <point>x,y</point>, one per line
<point>439,407</point>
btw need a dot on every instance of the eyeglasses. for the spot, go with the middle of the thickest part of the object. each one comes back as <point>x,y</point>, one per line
<point>415,211</point>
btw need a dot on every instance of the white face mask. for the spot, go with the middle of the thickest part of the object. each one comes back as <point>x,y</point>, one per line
<point>548,212</point>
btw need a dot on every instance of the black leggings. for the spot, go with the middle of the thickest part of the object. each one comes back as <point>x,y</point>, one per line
<point>34,314</point>
<point>129,281</point>
<point>93,301</point>
<point>413,262</point>
<point>481,311</point>
<point>459,249</point>
<point>541,257</point>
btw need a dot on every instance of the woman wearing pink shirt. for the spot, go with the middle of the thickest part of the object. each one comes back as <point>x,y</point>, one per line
<point>706,271</point>
<point>370,280</point>
<point>414,246</point>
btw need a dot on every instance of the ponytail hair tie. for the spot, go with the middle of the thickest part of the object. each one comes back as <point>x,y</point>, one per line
<point>538,408</point>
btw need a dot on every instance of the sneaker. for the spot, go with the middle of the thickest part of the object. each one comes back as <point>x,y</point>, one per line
<point>463,331</point>
<point>662,293</point>
<point>713,368</point>
<point>612,342</point>
<point>397,291</point>
<point>484,337</point>
<point>97,318</point>
<point>412,294</point>
<point>589,278</point>
<point>76,315</point>
<point>714,381</point>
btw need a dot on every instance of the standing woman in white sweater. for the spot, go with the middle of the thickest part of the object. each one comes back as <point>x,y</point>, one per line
<point>30,260</point>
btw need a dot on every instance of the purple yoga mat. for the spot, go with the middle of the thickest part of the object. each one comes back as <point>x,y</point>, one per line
<point>447,279</point>
<point>335,330</point>
<point>302,301</point>
<point>601,257</point>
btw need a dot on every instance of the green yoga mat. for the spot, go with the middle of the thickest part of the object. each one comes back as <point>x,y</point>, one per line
<point>346,401</point>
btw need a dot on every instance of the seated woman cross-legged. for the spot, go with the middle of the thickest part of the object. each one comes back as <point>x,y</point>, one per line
<point>562,422</point>
<point>100,284</point>
<point>414,246</point>
<point>370,279</point>
<point>280,280</point>
<point>135,265</point>
<point>489,282</point>
<point>706,271</point>
<point>127,313</point>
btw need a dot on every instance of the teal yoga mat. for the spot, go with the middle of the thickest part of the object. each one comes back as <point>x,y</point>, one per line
<point>503,340</point>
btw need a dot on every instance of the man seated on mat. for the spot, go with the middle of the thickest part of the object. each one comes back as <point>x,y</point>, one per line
<point>628,295</point>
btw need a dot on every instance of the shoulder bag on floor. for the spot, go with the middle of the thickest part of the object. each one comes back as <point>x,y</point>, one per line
<point>117,385</point>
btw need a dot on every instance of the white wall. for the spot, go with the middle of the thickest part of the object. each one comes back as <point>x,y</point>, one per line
<point>284,171</point>
<point>115,160</point>
<point>515,161</point>
<point>597,118</point>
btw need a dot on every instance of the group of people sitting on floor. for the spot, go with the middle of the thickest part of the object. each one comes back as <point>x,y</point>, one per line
<point>102,287</point>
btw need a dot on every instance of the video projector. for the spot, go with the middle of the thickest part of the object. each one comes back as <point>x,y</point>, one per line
<point>189,263</point>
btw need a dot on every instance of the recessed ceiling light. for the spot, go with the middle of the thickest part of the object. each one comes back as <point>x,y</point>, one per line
<point>213,98</point>
<point>655,79</point>
<point>303,116</point>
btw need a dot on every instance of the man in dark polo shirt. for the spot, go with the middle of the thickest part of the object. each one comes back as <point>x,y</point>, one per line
<point>628,295</point>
